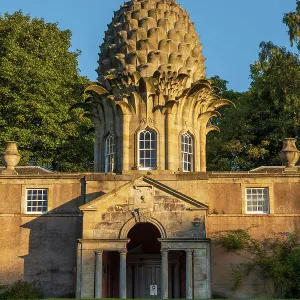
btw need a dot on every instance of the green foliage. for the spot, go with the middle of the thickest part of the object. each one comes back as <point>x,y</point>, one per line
<point>39,82</point>
<point>265,114</point>
<point>292,20</point>
<point>20,290</point>
<point>234,240</point>
<point>275,260</point>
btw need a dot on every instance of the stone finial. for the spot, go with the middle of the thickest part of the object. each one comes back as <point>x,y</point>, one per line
<point>289,154</point>
<point>10,158</point>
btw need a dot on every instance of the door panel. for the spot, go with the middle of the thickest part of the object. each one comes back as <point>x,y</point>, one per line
<point>145,271</point>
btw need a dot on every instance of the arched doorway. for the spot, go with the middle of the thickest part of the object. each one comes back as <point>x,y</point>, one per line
<point>144,263</point>
<point>143,239</point>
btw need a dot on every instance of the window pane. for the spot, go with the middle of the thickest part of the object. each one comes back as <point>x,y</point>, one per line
<point>147,163</point>
<point>148,153</point>
<point>109,153</point>
<point>187,152</point>
<point>147,149</point>
<point>40,203</point>
<point>257,200</point>
<point>154,163</point>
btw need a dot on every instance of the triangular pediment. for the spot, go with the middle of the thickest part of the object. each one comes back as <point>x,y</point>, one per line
<point>144,183</point>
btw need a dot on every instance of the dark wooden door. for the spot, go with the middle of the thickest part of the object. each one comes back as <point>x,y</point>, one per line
<point>145,270</point>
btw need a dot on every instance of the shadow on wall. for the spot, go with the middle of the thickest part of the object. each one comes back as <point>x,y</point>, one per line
<point>51,260</point>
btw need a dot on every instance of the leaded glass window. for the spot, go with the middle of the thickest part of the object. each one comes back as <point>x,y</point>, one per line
<point>109,153</point>
<point>147,150</point>
<point>187,152</point>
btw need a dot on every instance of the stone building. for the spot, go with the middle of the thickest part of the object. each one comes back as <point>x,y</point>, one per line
<point>140,225</point>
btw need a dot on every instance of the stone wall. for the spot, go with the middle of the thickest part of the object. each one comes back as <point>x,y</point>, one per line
<point>227,213</point>
<point>40,248</point>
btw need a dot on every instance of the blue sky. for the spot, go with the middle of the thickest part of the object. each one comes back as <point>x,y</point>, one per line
<point>230,30</point>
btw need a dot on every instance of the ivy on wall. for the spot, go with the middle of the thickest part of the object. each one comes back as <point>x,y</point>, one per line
<point>275,260</point>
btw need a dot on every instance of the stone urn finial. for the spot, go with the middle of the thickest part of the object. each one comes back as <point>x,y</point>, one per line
<point>289,154</point>
<point>10,158</point>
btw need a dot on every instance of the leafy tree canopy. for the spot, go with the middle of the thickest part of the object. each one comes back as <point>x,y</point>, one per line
<point>39,81</point>
<point>265,114</point>
<point>292,21</point>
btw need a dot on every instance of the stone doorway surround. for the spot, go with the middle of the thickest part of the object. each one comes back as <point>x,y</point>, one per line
<point>108,219</point>
<point>90,266</point>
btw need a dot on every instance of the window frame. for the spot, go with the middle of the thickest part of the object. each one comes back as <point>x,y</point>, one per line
<point>25,188</point>
<point>42,190</point>
<point>269,187</point>
<point>155,149</point>
<point>108,154</point>
<point>256,192</point>
<point>189,154</point>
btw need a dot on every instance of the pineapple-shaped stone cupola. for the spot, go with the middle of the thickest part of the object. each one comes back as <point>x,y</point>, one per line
<point>151,106</point>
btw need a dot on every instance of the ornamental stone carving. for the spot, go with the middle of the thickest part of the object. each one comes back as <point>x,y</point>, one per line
<point>10,158</point>
<point>289,154</point>
<point>151,76</point>
<point>151,35</point>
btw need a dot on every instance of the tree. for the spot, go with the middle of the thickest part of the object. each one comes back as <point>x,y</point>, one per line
<point>292,21</point>
<point>275,99</point>
<point>265,114</point>
<point>224,150</point>
<point>39,81</point>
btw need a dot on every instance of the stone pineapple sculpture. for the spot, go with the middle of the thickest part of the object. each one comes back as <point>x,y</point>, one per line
<point>152,35</point>
<point>151,75</point>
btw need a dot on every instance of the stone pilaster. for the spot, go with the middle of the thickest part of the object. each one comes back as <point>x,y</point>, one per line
<point>88,274</point>
<point>78,271</point>
<point>189,274</point>
<point>203,147</point>
<point>126,142</point>
<point>171,148</point>
<point>123,293</point>
<point>202,275</point>
<point>98,274</point>
<point>164,274</point>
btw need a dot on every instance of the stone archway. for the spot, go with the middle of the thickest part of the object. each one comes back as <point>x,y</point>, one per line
<point>144,239</point>
<point>132,222</point>
<point>143,260</point>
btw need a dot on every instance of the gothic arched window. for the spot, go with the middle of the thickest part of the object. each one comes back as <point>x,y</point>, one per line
<point>109,153</point>
<point>147,153</point>
<point>187,152</point>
